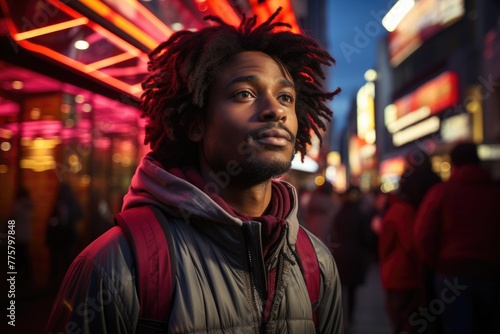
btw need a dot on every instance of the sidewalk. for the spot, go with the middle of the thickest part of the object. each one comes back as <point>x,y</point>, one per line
<point>370,316</point>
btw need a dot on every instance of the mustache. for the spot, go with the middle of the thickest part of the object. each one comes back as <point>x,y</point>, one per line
<point>254,134</point>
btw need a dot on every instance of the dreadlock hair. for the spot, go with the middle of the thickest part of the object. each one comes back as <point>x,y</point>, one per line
<point>183,68</point>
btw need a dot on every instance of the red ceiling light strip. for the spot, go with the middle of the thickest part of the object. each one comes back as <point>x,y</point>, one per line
<point>136,89</point>
<point>117,40</point>
<point>78,66</point>
<point>119,21</point>
<point>220,8</point>
<point>52,28</point>
<point>111,60</point>
<point>88,69</point>
<point>151,18</point>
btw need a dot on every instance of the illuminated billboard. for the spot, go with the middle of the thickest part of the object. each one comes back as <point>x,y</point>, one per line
<point>424,20</point>
<point>409,117</point>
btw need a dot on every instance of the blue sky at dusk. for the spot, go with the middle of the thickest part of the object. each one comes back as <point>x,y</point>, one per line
<point>354,30</point>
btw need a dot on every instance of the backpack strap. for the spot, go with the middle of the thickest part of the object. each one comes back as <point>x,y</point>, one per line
<point>310,269</point>
<point>149,237</point>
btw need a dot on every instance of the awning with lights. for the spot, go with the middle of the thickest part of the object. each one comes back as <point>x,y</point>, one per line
<point>108,40</point>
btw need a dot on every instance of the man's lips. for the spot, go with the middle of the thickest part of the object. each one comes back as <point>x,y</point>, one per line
<point>274,136</point>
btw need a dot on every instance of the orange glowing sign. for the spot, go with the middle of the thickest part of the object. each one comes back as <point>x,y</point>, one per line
<point>392,166</point>
<point>438,94</point>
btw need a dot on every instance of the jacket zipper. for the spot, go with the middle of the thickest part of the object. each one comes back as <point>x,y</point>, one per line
<point>279,275</point>
<point>255,295</point>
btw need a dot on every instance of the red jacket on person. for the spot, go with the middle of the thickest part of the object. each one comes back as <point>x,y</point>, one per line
<point>458,225</point>
<point>400,267</point>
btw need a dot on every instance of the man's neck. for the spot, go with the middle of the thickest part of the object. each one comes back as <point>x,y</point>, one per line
<point>249,200</point>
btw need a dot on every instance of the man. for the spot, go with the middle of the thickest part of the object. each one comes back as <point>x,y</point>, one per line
<point>227,107</point>
<point>457,233</point>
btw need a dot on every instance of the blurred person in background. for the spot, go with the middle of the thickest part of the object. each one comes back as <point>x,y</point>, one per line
<point>351,242</point>
<point>458,234</point>
<point>320,212</point>
<point>402,272</point>
<point>60,233</point>
<point>382,202</point>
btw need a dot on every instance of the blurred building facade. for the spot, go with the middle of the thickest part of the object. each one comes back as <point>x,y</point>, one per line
<point>437,82</point>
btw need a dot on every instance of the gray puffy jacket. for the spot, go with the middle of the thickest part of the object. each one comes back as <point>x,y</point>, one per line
<point>220,274</point>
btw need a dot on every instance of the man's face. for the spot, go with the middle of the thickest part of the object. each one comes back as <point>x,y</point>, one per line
<point>250,125</point>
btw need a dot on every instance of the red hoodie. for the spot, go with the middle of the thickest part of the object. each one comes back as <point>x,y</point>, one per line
<point>400,267</point>
<point>457,229</point>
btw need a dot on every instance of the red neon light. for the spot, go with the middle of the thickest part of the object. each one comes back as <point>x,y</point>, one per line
<point>10,24</point>
<point>50,29</point>
<point>220,8</point>
<point>150,17</point>
<point>119,21</point>
<point>136,89</point>
<point>438,94</point>
<point>88,69</point>
<point>111,60</point>
<point>78,66</point>
<point>120,43</point>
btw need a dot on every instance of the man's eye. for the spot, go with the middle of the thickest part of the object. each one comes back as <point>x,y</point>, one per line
<point>244,94</point>
<point>286,98</point>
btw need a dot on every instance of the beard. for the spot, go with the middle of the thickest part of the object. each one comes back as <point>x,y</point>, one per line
<point>254,170</point>
<point>251,165</point>
<point>257,171</point>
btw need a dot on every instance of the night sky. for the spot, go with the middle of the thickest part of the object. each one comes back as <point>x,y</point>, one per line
<point>354,30</point>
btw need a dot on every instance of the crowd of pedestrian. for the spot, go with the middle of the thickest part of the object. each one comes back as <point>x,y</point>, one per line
<point>439,248</point>
<point>437,244</point>
<point>457,234</point>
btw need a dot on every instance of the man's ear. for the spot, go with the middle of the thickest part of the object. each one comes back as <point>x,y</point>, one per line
<point>196,130</point>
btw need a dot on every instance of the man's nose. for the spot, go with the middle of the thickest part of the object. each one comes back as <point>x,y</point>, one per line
<point>272,111</point>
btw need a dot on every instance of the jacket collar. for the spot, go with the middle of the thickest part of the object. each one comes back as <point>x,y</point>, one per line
<point>153,185</point>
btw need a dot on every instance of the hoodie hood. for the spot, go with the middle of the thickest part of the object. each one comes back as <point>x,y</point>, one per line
<point>153,185</point>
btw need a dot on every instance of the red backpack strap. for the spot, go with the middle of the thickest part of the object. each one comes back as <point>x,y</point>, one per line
<point>310,269</point>
<point>147,232</point>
